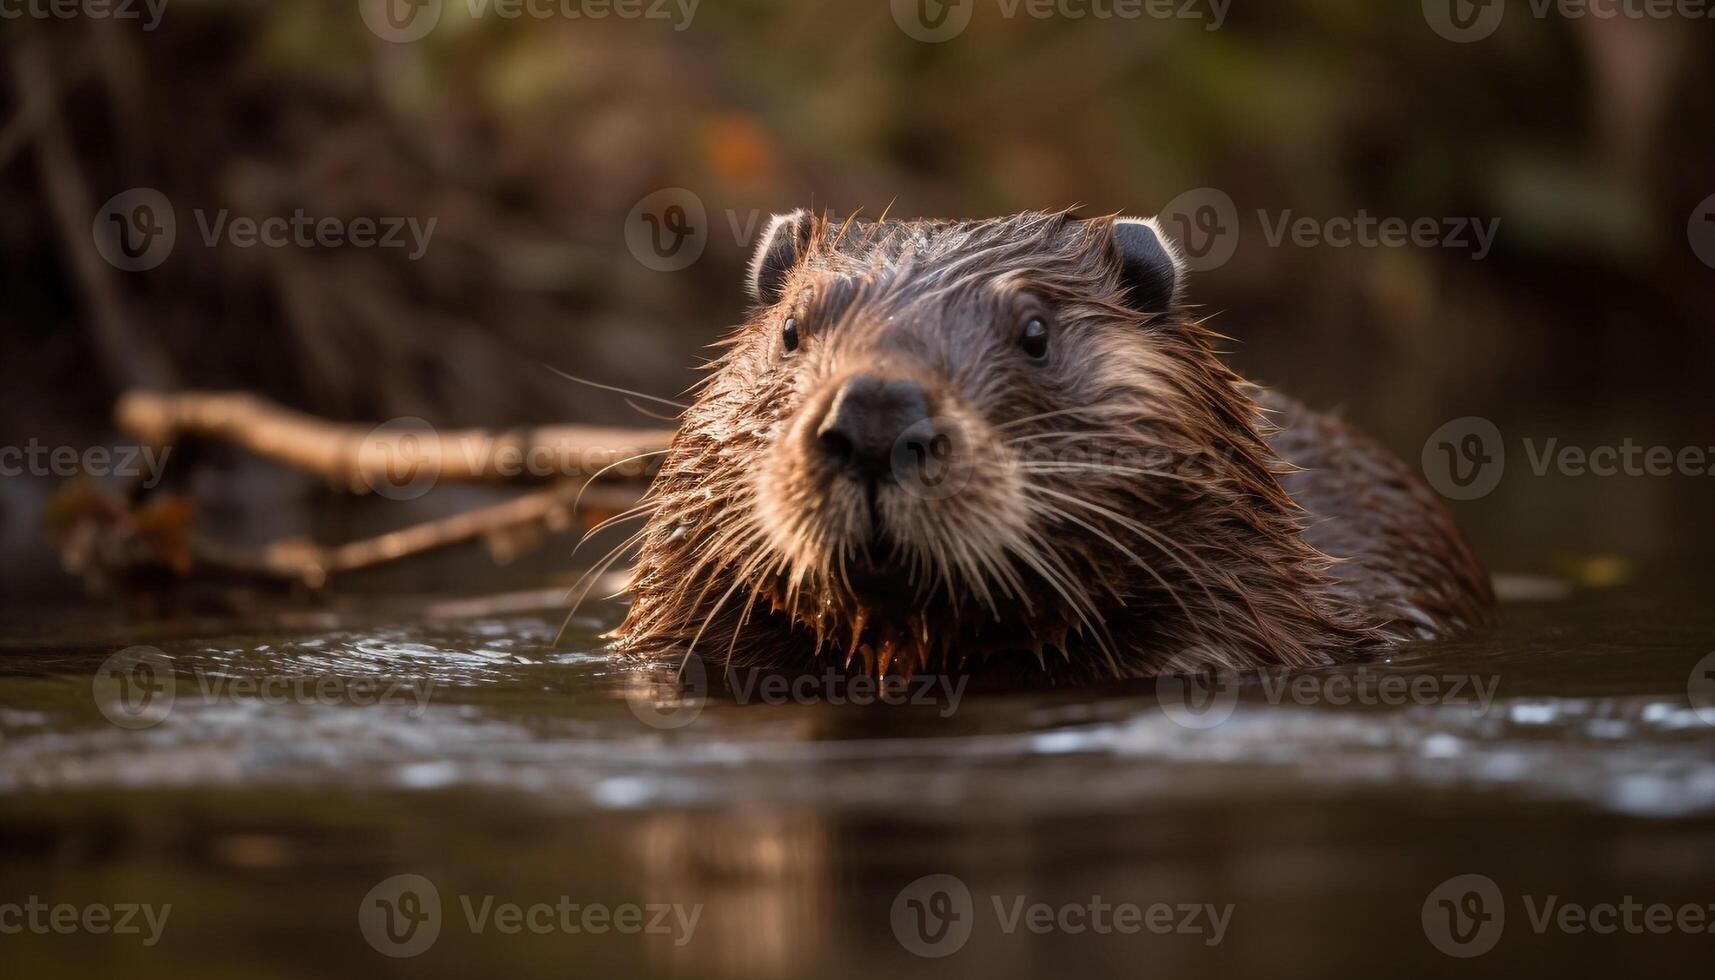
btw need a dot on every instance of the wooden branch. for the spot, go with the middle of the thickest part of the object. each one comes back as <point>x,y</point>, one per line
<point>111,540</point>
<point>114,539</point>
<point>300,560</point>
<point>362,458</point>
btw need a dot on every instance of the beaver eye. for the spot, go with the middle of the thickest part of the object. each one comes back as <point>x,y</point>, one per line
<point>789,334</point>
<point>1034,339</point>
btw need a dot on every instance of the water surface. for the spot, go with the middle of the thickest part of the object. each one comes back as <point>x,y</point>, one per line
<point>274,775</point>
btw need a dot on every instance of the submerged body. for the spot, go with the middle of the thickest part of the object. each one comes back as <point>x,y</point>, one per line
<point>1003,446</point>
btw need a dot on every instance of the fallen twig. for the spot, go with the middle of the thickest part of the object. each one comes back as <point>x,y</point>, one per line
<point>113,540</point>
<point>301,560</point>
<point>362,458</point>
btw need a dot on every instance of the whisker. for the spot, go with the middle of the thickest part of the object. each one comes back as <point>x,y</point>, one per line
<point>1110,539</point>
<point>1038,561</point>
<point>1105,468</point>
<point>750,603</point>
<point>1038,418</point>
<point>1094,434</point>
<point>738,583</point>
<point>630,514</point>
<point>593,576</point>
<point>620,391</point>
<point>598,473</point>
<point>639,409</point>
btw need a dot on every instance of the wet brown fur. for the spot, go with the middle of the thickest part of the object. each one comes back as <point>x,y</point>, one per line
<point>1122,507</point>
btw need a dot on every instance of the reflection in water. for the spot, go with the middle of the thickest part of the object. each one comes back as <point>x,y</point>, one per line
<point>763,882</point>
<point>503,766</point>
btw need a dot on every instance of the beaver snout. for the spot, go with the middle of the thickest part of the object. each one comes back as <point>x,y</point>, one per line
<point>872,425</point>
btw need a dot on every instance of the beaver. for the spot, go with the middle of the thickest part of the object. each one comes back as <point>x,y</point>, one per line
<point>1006,445</point>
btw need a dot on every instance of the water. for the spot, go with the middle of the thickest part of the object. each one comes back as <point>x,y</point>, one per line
<point>1293,825</point>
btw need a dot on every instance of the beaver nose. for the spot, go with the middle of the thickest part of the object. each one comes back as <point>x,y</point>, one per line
<point>866,420</point>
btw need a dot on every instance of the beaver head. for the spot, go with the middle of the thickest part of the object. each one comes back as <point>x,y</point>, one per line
<point>1001,439</point>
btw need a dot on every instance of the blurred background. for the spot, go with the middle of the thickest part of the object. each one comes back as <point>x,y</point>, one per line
<point>534,143</point>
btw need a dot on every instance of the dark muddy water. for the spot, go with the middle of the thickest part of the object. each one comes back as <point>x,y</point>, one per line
<point>564,814</point>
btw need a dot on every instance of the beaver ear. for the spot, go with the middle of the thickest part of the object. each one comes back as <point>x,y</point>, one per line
<point>1150,264</point>
<point>785,241</point>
